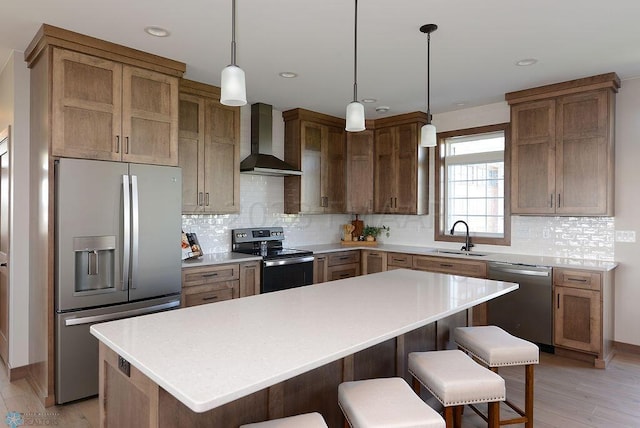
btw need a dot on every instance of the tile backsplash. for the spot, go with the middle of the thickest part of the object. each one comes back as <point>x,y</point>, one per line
<point>262,204</point>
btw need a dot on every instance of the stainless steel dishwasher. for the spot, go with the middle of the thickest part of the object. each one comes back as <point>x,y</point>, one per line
<point>527,312</point>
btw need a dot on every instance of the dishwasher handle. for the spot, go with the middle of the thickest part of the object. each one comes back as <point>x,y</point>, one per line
<point>521,270</point>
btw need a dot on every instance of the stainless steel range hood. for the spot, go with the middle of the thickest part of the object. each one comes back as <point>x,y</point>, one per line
<point>261,161</point>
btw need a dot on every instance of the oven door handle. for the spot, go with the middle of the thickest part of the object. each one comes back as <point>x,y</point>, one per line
<point>288,261</point>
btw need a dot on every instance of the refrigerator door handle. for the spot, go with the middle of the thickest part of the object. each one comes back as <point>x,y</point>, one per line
<point>135,231</point>
<point>126,237</point>
<point>119,315</point>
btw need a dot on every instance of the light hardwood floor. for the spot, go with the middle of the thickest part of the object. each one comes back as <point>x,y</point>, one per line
<point>568,394</point>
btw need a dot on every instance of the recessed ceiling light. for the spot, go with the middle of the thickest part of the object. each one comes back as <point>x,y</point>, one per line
<point>288,74</point>
<point>369,100</point>
<point>382,109</point>
<point>157,31</point>
<point>526,62</point>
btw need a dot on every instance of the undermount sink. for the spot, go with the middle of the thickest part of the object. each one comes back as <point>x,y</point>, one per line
<point>460,253</point>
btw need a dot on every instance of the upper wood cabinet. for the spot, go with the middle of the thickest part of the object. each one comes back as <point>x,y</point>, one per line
<point>401,176</point>
<point>99,100</point>
<point>314,143</point>
<point>563,147</point>
<point>106,110</point>
<point>208,151</point>
<point>360,163</point>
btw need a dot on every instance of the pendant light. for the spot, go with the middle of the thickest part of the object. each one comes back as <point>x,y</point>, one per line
<point>428,131</point>
<point>355,110</point>
<point>233,91</point>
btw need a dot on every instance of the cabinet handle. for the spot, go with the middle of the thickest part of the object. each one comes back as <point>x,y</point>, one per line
<point>558,200</point>
<point>577,279</point>
<point>398,260</point>
<point>446,265</point>
<point>344,258</point>
<point>117,144</point>
<point>206,199</point>
<point>200,198</point>
<point>344,275</point>
<point>395,202</point>
<point>558,300</point>
<point>210,298</point>
<point>551,201</point>
<point>207,275</point>
<point>391,202</point>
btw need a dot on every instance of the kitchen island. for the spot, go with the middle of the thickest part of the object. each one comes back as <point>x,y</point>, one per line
<point>276,354</point>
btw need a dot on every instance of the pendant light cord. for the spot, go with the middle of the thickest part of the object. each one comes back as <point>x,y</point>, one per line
<point>428,78</point>
<point>233,32</point>
<point>355,55</point>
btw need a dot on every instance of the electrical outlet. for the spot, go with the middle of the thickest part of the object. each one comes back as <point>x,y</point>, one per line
<point>124,366</point>
<point>625,236</point>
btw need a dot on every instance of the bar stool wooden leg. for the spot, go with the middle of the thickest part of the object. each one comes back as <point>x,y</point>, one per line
<point>457,416</point>
<point>416,385</point>
<point>494,414</point>
<point>528,396</point>
<point>448,417</point>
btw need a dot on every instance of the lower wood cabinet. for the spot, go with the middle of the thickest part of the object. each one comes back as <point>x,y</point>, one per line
<point>250,278</point>
<point>399,261</point>
<point>583,313</point>
<point>332,266</point>
<point>452,266</point>
<point>215,283</point>
<point>373,262</point>
<point>341,265</point>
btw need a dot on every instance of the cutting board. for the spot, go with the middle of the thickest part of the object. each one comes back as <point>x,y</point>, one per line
<point>358,227</point>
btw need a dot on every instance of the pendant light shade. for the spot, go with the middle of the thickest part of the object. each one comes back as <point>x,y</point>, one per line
<point>355,110</point>
<point>233,91</point>
<point>428,136</point>
<point>428,131</point>
<point>355,117</point>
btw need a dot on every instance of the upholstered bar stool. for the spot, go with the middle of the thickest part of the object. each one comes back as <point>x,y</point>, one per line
<point>385,402</point>
<point>496,348</point>
<point>455,380</point>
<point>308,420</point>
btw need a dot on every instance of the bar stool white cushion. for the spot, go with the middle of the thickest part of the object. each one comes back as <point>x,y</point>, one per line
<point>308,420</point>
<point>495,347</point>
<point>455,379</point>
<point>385,402</point>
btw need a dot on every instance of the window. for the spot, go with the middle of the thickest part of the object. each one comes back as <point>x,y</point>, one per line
<point>472,184</point>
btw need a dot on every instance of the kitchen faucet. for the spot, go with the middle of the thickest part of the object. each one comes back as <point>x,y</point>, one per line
<point>467,243</point>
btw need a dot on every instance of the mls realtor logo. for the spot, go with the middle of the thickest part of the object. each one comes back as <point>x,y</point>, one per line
<point>14,419</point>
<point>17,419</point>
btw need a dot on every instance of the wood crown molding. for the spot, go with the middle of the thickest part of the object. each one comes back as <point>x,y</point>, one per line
<point>48,35</point>
<point>371,124</point>
<point>601,81</point>
<point>196,88</point>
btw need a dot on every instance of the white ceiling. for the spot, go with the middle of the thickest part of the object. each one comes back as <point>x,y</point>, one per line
<point>473,53</point>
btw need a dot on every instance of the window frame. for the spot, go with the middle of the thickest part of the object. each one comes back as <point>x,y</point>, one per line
<point>439,218</point>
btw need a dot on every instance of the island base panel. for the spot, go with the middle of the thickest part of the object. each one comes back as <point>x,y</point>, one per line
<point>136,401</point>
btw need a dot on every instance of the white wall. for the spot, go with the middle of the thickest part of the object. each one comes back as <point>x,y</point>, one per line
<point>14,111</point>
<point>628,212</point>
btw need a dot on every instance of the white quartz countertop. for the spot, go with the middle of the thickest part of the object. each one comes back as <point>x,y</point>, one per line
<point>210,355</point>
<point>597,265</point>
<point>219,259</point>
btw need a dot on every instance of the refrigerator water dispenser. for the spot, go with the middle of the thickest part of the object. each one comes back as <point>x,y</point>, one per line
<point>94,262</point>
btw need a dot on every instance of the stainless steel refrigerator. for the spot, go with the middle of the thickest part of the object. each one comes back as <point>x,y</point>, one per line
<point>118,235</point>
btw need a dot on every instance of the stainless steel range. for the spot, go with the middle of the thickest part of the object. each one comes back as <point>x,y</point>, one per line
<point>282,268</point>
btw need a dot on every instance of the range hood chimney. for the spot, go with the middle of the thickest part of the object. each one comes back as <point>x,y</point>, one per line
<point>261,160</point>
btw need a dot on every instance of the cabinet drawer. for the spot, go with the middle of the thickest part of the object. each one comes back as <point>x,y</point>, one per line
<point>451,266</point>
<point>343,271</point>
<point>399,260</point>
<point>210,293</point>
<point>343,258</point>
<point>577,278</point>
<point>209,274</point>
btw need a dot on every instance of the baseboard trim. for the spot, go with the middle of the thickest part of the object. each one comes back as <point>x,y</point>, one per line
<point>626,348</point>
<point>17,373</point>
